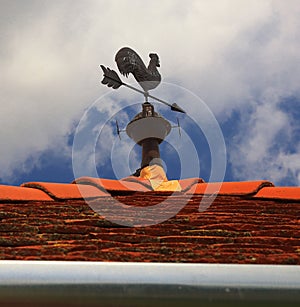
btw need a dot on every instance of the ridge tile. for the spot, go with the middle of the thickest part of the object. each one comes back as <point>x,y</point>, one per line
<point>144,182</point>
<point>230,188</point>
<point>188,183</point>
<point>112,185</point>
<point>13,193</point>
<point>284,193</point>
<point>65,191</point>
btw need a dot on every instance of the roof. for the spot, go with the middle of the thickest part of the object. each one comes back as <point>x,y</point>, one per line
<point>250,222</point>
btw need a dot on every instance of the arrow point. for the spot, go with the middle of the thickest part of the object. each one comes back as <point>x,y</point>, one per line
<point>175,107</point>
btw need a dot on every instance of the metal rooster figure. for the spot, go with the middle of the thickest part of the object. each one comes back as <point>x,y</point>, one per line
<point>128,61</point>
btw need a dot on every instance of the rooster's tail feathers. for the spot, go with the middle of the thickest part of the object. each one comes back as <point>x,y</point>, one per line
<point>128,61</point>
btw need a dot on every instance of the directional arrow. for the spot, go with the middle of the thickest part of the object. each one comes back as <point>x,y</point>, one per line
<point>111,79</point>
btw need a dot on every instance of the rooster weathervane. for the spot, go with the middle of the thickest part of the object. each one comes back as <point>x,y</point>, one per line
<point>128,61</point>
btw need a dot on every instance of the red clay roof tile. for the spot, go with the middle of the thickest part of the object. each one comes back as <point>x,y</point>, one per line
<point>12,193</point>
<point>261,228</point>
<point>187,184</point>
<point>230,188</point>
<point>285,193</point>
<point>113,185</point>
<point>88,187</point>
<point>145,182</point>
<point>66,191</point>
<point>231,230</point>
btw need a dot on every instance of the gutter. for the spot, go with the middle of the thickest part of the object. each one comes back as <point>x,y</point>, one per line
<point>63,283</point>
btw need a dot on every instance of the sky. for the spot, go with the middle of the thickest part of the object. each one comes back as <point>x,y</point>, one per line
<point>233,65</point>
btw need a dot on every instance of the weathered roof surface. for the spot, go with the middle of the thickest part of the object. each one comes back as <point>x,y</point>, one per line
<point>248,222</point>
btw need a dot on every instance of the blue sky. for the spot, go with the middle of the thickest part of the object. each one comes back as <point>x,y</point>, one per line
<point>232,65</point>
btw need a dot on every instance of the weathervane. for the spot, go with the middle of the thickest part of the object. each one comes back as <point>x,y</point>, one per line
<point>148,129</point>
<point>128,61</point>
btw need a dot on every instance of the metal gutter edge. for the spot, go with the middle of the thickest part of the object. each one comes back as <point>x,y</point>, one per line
<point>150,283</point>
<point>221,275</point>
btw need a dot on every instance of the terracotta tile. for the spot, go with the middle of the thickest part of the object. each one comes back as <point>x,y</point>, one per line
<point>230,188</point>
<point>112,185</point>
<point>12,193</point>
<point>231,230</point>
<point>144,182</point>
<point>288,193</point>
<point>187,184</point>
<point>66,191</point>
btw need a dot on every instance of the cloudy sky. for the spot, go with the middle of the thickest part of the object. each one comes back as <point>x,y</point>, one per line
<point>233,65</point>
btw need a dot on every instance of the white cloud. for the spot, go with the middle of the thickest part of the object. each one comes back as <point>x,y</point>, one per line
<point>252,152</point>
<point>290,166</point>
<point>230,53</point>
<point>263,128</point>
